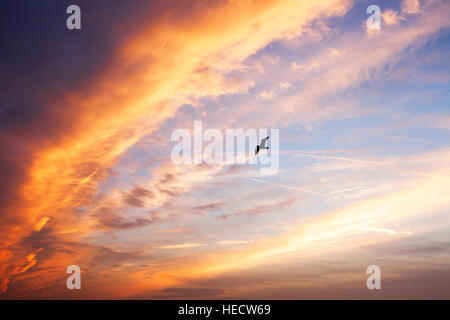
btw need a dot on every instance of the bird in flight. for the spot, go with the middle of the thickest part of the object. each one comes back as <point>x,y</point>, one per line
<point>262,145</point>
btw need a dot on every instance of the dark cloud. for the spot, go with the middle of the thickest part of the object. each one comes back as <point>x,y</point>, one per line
<point>133,201</point>
<point>136,197</point>
<point>174,192</point>
<point>415,249</point>
<point>141,192</point>
<point>168,178</point>
<point>109,218</point>
<point>208,207</point>
<point>107,256</point>
<point>41,62</point>
<point>333,278</point>
<point>187,293</point>
<point>40,281</point>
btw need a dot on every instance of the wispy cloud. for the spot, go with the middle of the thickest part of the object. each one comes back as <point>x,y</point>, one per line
<point>233,242</point>
<point>88,179</point>
<point>182,246</point>
<point>285,186</point>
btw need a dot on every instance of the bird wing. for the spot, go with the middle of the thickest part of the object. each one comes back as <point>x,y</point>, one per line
<point>263,142</point>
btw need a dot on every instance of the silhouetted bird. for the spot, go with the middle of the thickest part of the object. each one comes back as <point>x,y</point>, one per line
<point>262,145</point>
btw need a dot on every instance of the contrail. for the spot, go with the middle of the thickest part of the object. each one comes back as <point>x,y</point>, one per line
<point>286,187</point>
<point>304,154</point>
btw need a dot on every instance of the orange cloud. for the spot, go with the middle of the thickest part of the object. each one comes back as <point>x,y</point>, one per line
<point>176,57</point>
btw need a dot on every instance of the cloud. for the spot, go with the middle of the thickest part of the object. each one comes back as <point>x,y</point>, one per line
<point>266,95</point>
<point>61,144</point>
<point>285,85</point>
<point>108,218</point>
<point>285,186</point>
<point>183,293</point>
<point>383,230</point>
<point>209,207</point>
<point>337,232</point>
<point>361,59</point>
<point>296,66</point>
<point>173,230</point>
<point>233,242</point>
<point>137,196</point>
<point>38,227</point>
<point>182,246</point>
<point>410,6</point>
<point>391,17</point>
<point>263,207</point>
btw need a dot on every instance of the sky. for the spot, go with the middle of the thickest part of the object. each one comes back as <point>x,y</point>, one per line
<point>87,178</point>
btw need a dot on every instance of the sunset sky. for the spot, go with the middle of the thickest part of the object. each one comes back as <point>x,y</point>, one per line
<point>86,176</point>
